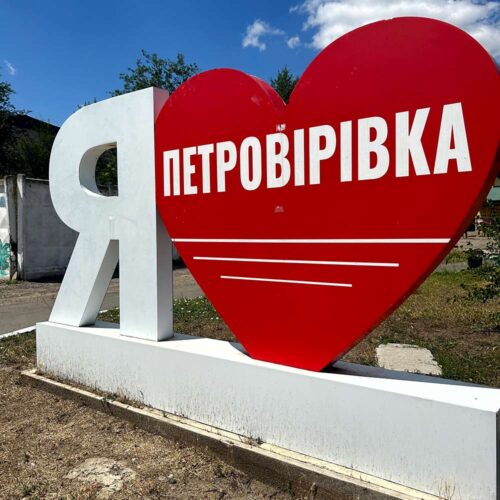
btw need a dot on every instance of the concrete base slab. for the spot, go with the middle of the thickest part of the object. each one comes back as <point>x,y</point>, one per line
<point>418,433</point>
<point>407,358</point>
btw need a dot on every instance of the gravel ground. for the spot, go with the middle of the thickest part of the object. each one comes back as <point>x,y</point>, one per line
<point>473,241</point>
<point>45,442</point>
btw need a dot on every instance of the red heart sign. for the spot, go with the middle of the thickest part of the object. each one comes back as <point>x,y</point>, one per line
<point>307,225</point>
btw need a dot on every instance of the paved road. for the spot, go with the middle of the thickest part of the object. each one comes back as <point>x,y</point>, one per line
<point>26,303</point>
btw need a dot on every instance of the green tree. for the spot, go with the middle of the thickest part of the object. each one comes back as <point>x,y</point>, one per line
<point>152,70</point>
<point>7,129</point>
<point>284,83</point>
<point>489,289</point>
<point>32,151</point>
<point>5,93</point>
<point>105,171</point>
<point>23,149</point>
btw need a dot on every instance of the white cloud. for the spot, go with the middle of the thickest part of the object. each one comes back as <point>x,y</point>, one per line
<point>293,42</point>
<point>10,68</point>
<point>257,31</point>
<point>332,18</point>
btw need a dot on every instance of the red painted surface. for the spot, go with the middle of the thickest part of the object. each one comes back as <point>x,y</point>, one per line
<point>379,70</point>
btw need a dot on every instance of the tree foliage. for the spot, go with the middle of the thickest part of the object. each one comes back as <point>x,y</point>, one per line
<point>25,143</point>
<point>151,70</point>
<point>32,151</point>
<point>284,83</point>
<point>105,172</point>
<point>7,130</point>
<point>489,271</point>
<point>5,93</point>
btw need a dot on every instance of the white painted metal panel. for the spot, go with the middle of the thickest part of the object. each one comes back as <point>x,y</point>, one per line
<point>425,433</point>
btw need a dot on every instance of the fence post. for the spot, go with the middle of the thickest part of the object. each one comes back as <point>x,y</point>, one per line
<point>21,185</point>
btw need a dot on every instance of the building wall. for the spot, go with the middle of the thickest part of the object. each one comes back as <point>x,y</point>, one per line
<point>44,243</point>
<point>491,205</point>
<point>34,242</point>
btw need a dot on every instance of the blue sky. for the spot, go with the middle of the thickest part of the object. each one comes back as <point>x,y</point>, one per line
<point>59,54</point>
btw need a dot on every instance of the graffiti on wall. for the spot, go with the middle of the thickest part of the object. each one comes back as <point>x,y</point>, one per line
<point>4,240</point>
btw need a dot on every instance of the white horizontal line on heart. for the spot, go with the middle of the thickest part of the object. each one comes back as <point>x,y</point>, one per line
<point>317,241</point>
<point>295,282</point>
<point>290,261</point>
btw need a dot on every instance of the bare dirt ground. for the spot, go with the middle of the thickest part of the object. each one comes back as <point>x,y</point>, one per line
<point>45,439</point>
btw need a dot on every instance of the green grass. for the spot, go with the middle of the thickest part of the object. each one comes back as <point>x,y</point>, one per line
<point>191,316</point>
<point>456,255</point>
<point>9,282</point>
<point>463,334</point>
<point>442,302</point>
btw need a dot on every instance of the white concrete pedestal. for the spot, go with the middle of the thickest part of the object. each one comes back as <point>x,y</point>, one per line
<point>429,434</point>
